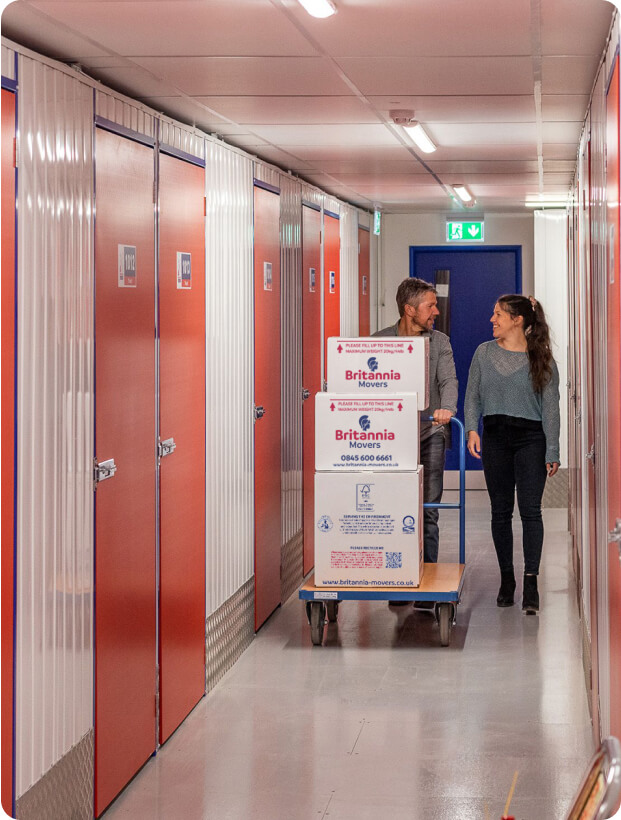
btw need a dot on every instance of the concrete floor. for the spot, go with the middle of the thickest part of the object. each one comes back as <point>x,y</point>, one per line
<point>381,721</point>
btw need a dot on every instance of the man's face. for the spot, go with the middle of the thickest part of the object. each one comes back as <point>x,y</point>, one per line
<point>424,315</point>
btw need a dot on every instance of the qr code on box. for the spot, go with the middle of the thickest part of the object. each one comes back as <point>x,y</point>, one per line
<point>394,560</point>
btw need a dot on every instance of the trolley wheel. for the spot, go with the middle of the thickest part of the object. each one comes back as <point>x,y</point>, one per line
<point>332,608</point>
<point>445,620</point>
<point>317,622</point>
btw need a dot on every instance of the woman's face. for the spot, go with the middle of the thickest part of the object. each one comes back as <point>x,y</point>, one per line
<point>502,322</point>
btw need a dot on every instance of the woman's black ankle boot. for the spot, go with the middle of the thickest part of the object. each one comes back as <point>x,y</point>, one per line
<point>507,588</point>
<point>530,598</point>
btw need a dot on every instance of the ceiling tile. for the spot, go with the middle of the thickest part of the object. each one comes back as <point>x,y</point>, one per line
<point>463,134</point>
<point>318,135</point>
<point>272,76</point>
<point>183,28</point>
<point>290,110</point>
<point>441,76</point>
<point>564,107</point>
<point>25,25</point>
<point>574,26</point>
<point>494,108</point>
<point>568,75</point>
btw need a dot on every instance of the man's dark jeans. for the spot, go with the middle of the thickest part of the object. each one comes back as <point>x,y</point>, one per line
<point>432,459</point>
<point>513,452</point>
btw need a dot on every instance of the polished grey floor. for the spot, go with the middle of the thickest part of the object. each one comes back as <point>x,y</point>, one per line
<point>382,722</point>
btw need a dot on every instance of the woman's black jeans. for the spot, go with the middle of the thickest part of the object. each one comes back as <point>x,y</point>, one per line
<point>513,452</point>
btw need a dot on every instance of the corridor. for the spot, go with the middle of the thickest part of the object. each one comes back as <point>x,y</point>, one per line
<point>381,722</point>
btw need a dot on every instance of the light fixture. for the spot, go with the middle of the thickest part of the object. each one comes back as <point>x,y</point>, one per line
<point>405,118</point>
<point>319,8</point>
<point>463,193</point>
<point>420,137</point>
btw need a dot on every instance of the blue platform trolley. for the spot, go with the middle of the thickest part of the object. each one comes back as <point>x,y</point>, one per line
<point>441,585</point>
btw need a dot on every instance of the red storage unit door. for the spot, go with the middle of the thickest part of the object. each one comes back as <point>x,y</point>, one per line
<point>182,418</point>
<point>331,291</point>
<point>614,396</point>
<point>125,505</point>
<point>8,435</point>
<point>267,431</point>
<point>364,283</point>
<point>311,366</point>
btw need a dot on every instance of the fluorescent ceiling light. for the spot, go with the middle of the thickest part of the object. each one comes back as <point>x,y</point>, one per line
<point>319,8</point>
<point>463,193</point>
<point>420,137</point>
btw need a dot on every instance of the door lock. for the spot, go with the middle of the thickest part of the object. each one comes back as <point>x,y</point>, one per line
<point>104,470</point>
<point>305,394</point>
<point>591,454</point>
<point>166,447</point>
<point>259,412</point>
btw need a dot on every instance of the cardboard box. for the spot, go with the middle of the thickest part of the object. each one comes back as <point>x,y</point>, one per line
<point>380,365</point>
<point>369,529</point>
<point>359,432</point>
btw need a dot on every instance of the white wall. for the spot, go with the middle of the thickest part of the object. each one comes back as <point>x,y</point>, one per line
<point>550,288</point>
<point>399,231</point>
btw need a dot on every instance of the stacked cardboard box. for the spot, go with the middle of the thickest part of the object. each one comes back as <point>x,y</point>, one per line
<point>368,483</point>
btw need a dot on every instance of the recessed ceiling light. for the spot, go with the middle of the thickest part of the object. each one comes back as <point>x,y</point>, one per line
<point>319,8</point>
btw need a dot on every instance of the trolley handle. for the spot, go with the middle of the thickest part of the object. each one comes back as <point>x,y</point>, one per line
<point>461,505</point>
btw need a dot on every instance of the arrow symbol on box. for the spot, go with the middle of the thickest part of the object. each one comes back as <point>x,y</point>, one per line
<point>340,348</point>
<point>332,407</point>
<point>399,407</point>
<point>473,230</point>
<point>410,348</point>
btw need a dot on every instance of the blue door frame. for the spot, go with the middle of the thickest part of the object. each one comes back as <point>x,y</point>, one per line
<point>479,275</point>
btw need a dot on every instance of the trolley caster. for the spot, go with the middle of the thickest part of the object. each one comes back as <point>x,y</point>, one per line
<point>332,608</point>
<point>317,620</point>
<point>445,614</point>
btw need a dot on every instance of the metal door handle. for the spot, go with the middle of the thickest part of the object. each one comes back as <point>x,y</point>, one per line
<point>305,394</point>
<point>615,535</point>
<point>166,447</point>
<point>104,470</point>
<point>259,412</point>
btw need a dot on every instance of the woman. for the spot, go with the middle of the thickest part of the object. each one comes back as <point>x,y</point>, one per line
<point>513,384</point>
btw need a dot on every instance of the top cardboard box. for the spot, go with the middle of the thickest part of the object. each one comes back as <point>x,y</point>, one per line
<point>380,365</point>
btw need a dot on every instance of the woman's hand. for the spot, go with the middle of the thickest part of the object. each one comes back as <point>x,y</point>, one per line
<point>552,468</point>
<point>474,444</point>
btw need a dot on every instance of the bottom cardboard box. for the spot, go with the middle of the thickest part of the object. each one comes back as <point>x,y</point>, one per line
<point>369,529</point>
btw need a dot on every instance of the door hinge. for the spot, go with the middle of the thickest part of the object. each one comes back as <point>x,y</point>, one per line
<point>166,447</point>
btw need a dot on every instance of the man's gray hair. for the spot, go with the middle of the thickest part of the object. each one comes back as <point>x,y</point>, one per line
<point>411,291</point>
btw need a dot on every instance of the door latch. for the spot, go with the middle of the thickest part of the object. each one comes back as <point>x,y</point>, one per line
<point>259,412</point>
<point>614,536</point>
<point>166,447</point>
<point>305,394</point>
<point>104,470</point>
<point>591,454</point>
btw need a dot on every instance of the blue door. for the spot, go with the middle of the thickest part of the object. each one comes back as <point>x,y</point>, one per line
<point>477,277</point>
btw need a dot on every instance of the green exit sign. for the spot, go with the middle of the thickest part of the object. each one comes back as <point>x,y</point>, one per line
<point>465,231</point>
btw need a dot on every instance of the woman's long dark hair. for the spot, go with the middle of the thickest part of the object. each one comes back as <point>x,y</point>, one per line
<point>537,336</point>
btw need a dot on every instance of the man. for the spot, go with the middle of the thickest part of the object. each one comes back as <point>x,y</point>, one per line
<point>418,308</point>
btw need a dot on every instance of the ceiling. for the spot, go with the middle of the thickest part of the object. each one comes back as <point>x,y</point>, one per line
<point>501,86</point>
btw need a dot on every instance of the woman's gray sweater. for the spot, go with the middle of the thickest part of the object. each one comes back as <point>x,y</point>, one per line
<point>499,384</point>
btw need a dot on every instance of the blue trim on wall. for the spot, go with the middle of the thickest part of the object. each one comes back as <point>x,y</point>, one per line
<point>364,228</point>
<point>171,151</point>
<point>331,213</point>
<point>8,84</point>
<point>258,183</point>
<point>612,69</point>
<point>517,249</point>
<point>122,131</point>
<point>312,205</point>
